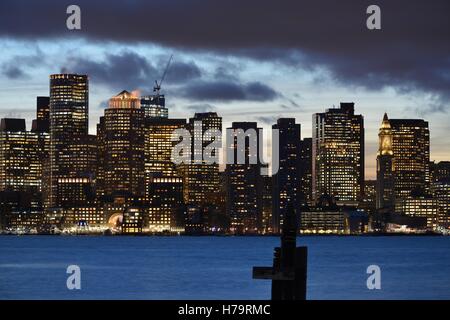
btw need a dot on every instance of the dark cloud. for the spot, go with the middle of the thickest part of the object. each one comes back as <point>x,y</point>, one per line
<point>227,91</point>
<point>129,70</point>
<point>14,67</point>
<point>180,72</point>
<point>409,53</point>
<point>437,106</point>
<point>13,72</point>
<point>205,107</point>
<point>268,119</point>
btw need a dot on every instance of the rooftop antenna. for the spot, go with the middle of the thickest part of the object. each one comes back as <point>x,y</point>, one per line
<point>157,87</point>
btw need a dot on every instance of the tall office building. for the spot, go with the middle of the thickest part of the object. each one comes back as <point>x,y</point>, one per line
<point>122,149</point>
<point>201,179</point>
<point>267,205</point>
<point>68,127</point>
<point>287,180</point>
<point>41,127</point>
<point>42,121</point>
<point>385,197</point>
<point>244,180</point>
<point>165,202</point>
<point>338,154</point>
<point>440,188</point>
<point>163,184</point>
<point>79,190</point>
<point>159,145</point>
<point>20,176</point>
<point>154,106</point>
<point>100,168</point>
<point>306,170</point>
<point>440,171</point>
<point>20,166</point>
<point>411,151</point>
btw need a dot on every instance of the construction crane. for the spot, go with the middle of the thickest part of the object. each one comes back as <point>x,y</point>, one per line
<point>157,87</point>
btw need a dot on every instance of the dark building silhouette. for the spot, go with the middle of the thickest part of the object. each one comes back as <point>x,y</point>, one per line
<point>440,171</point>
<point>287,180</point>
<point>42,121</point>
<point>338,154</point>
<point>306,171</point>
<point>244,183</point>
<point>440,189</point>
<point>267,203</point>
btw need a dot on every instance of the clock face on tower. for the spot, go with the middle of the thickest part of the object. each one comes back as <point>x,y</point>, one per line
<point>385,144</point>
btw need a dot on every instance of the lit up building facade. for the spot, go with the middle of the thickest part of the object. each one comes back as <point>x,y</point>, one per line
<point>20,175</point>
<point>338,154</point>
<point>122,149</point>
<point>411,157</point>
<point>201,179</point>
<point>154,106</point>
<point>328,218</point>
<point>68,128</point>
<point>441,193</point>
<point>287,180</point>
<point>385,196</point>
<point>20,166</point>
<point>163,184</point>
<point>421,205</point>
<point>159,146</point>
<point>165,203</point>
<point>244,180</point>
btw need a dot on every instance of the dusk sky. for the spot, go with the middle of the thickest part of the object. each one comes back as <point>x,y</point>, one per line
<point>253,60</point>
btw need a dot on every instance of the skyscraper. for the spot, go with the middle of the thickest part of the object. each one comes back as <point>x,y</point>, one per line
<point>20,175</point>
<point>123,147</point>
<point>42,121</point>
<point>338,154</point>
<point>306,170</point>
<point>154,106</point>
<point>200,178</point>
<point>411,151</point>
<point>159,146</point>
<point>244,180</point>
<point>20,166</point>
<point>287,180</point>
<point>68,127</point>
<point>165,195</point>
<point>163,184</point>
<point>440,187</point>
<point>385,197</point>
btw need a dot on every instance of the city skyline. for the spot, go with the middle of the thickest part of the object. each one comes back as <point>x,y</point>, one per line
<point>370,151</point>
<point>135,175</point>
<point>289,66</point>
